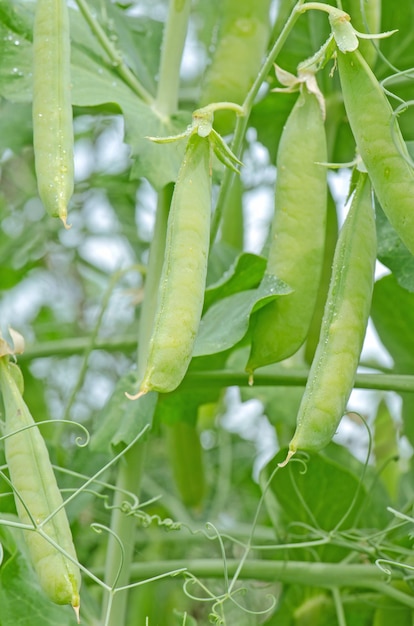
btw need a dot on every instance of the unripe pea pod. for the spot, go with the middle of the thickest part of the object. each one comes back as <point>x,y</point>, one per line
<point>298,234</point>
<point>52,107</point>
<point>183,277</point>
<point>37,496</point>
<point>242,41</point>
<point>344,323</point>
<point>379,142</point>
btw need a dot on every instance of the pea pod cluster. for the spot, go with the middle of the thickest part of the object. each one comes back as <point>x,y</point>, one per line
<point>183,277</point>
<point>344,323</point>
<point>298,234</point>
<point>37,496</point>
<point>52,107</point>
<point>379,142</point>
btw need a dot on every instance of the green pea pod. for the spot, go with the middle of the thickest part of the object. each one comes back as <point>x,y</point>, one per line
<point>298,235</point>
<point>242,41</point>
<point>52,107</point>
<point>379,142</point>
<point>37,496</point>
<point>183,277</point>
<point>331,237</point>
<point>344,323</point>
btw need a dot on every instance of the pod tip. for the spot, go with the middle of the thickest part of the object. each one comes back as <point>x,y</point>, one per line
<point>287,459</point>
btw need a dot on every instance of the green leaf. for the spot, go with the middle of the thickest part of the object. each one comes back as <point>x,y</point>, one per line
<point>393,317</point>
<point>393,253</point>
<point>322,495</point>
<point>95,82</point>
<point>386,450</point>
<point>245,273</point>
<point>227,321</point>
<point>122,419</point>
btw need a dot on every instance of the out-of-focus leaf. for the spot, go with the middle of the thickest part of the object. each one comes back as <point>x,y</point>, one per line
<point>393,253</point>
<point>393,316</point>
<point>386,450</point>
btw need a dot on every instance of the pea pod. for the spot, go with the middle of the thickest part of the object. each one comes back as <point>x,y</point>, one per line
<point>298,235</point>
<point>344,323</point>
<point>183,277</point>
<point>37,496</point>
<point>379,142</point>
<point>52,108</point>
<point>242,41</point>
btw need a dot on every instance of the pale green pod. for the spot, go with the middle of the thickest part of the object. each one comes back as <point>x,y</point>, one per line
<point>183,278</point>
<point>52,107</point>
<point>242,40</point>
<point>379,142</point>
<point>32,477</point>
<point>298,235</point>
<point>344,323</point>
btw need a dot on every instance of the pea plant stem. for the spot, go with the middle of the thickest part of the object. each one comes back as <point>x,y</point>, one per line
<point>123,527</point>
<point>224,378</point>
<point>326,575</point>
<point>171,54</point>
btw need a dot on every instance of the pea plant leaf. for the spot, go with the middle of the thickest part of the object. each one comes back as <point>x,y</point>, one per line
<point>114,433</point>
<point>393,253</point>
<point>227,321</point>
<point>95,82</point>
<point>324,494</point>
<point>245,273</point>
<point>394,325</point>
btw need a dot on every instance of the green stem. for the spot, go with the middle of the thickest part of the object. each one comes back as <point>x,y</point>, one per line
<point>340,613</point>
<point>114,55</point>
<point>242,121</point>
<point>62,348</point>
<point>123,527</point>
<point>400,383</point>
<point>225,378</point>
<point>171,55</point>
<point>325,575</point>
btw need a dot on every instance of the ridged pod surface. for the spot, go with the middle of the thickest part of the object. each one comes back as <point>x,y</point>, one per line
<point>52,107</point>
